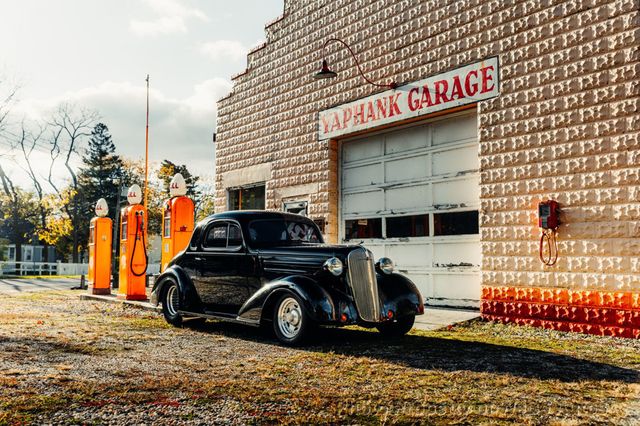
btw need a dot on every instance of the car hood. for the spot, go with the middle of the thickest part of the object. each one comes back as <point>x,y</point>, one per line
<point>304,258</point>
<point>323,250</point>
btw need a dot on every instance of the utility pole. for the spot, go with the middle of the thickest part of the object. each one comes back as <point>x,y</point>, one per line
<point>146,150</point>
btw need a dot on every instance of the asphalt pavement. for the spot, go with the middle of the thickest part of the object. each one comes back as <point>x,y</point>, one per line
<point>16,286</point>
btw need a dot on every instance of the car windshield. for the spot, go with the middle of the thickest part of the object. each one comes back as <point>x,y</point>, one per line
<point>266,232</point>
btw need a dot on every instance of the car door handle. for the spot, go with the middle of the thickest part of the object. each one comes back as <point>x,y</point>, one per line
<point>198,259</point>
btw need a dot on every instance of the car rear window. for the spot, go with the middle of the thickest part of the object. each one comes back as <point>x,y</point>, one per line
<point>267,232</point>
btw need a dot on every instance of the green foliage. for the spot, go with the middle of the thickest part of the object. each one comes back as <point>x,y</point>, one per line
<point>3,246</point>
<point>99,177</point>
<point>102,171</point>
<point>134,173</point>
<point>58,224</point>
<point>19,216</point>
<point>168,169</point>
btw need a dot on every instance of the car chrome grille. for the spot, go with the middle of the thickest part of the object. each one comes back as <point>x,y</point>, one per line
<point>362,278</point>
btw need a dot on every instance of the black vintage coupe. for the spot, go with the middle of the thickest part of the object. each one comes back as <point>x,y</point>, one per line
<point>269,268</point>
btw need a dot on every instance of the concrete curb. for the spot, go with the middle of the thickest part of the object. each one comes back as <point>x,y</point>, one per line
<point>114,300</point>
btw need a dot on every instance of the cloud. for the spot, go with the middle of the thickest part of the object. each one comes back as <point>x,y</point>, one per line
<point>180,130</point>
<point>223,49</point>
<point>171,18</point>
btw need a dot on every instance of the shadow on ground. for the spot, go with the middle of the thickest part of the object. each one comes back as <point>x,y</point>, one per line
<point>433,353</point>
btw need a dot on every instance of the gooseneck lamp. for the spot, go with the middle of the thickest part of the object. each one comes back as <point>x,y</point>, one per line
<point>326,72</point>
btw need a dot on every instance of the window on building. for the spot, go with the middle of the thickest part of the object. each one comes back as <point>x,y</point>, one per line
<point>363,228</point>
<point>408,226</point>
<point>296,207</point>
<point>458,223</point>
<point>454,223</point>
<point>247,198</point>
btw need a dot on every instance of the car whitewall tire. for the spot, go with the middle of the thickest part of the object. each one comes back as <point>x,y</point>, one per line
<point>290,320</point>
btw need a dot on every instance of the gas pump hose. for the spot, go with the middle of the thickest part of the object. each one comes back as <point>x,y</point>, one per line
<point>144,248</point>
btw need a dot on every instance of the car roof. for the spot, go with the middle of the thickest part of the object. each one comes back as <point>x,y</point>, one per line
<point>245,216</point>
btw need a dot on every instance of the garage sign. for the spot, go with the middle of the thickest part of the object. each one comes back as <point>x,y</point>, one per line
<point>461,86</point>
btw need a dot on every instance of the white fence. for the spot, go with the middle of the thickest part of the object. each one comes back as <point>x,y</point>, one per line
<point>42,268</point>
<point>58,268</point>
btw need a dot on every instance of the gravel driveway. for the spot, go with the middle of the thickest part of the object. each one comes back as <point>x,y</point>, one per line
<point>65,361</point>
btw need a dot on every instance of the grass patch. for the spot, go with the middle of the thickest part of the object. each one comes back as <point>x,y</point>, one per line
<point>474,373</point>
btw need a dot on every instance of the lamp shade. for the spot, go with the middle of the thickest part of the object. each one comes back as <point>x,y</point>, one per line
<point>325,72</point>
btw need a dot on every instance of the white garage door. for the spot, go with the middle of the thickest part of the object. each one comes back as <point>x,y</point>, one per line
<point>413,195</point>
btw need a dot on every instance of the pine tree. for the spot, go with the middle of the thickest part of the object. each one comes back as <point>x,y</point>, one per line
<point>102,172</point>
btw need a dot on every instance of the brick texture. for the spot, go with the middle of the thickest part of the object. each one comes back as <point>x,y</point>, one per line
<point>566,125</point>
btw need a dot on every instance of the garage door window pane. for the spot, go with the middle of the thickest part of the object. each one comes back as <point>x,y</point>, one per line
<point>363,228</point>
<point>460,223</point>
<point>408,226</point>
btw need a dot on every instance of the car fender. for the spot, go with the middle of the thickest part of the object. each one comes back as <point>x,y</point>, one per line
<point>317,301</point>
<point>399,294</point>
<point>189,299</point>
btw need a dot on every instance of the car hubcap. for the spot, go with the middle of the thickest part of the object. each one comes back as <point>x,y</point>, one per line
<point>172,300</point>
<point>289,318</point>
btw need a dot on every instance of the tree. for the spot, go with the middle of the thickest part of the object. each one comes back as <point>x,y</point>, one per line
<point>168,169</point>
<point>134,173</point>
<point>102,172</point>
<point>19,214</point>
<point>58,223</point>
<point>203,202</point>
<point>28,141</point>
<point>69,128</point>
<point>8,94</point>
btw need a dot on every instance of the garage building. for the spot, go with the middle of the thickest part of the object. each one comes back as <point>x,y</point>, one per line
<point>479,111</point>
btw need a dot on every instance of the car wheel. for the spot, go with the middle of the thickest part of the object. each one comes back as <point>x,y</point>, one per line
<point>397,328</point>
<point>171,304</point>
<point>291,323</point>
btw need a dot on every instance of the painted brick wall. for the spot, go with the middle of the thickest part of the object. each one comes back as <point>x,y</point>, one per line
<point>566,126</point>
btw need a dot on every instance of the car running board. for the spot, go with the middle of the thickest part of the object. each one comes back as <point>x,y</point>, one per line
<point>221,316</point>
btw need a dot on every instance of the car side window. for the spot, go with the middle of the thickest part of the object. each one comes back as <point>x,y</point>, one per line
<point>216,236</point>
<point>235,237</point>
<point>223,235</point>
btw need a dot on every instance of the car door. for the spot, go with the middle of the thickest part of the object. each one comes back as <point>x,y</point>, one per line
<point>221,283</point>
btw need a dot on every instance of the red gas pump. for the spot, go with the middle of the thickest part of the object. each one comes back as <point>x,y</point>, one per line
<point>133,250</point>
<point>99,275</point>
<point>177,220</point>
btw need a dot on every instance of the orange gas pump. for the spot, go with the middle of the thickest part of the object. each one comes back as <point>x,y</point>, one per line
<point>100,229</point>
<point>177,220</point>
<point>133,250</point>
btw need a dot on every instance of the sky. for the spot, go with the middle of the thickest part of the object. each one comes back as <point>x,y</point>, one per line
<point>97,54</point>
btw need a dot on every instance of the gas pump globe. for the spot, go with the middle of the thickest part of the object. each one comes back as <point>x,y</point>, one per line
<point>177,220</point>
<point>133,250</point>
<point>100,230</point>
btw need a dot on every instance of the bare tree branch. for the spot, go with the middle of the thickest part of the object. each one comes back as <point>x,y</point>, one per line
<point>70,127</point>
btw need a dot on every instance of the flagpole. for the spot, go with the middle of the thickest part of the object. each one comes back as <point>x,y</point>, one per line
<point>146,151</point>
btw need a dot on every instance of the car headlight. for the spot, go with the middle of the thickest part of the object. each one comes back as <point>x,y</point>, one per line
<point>385,265</point>
<point>334,265</point>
